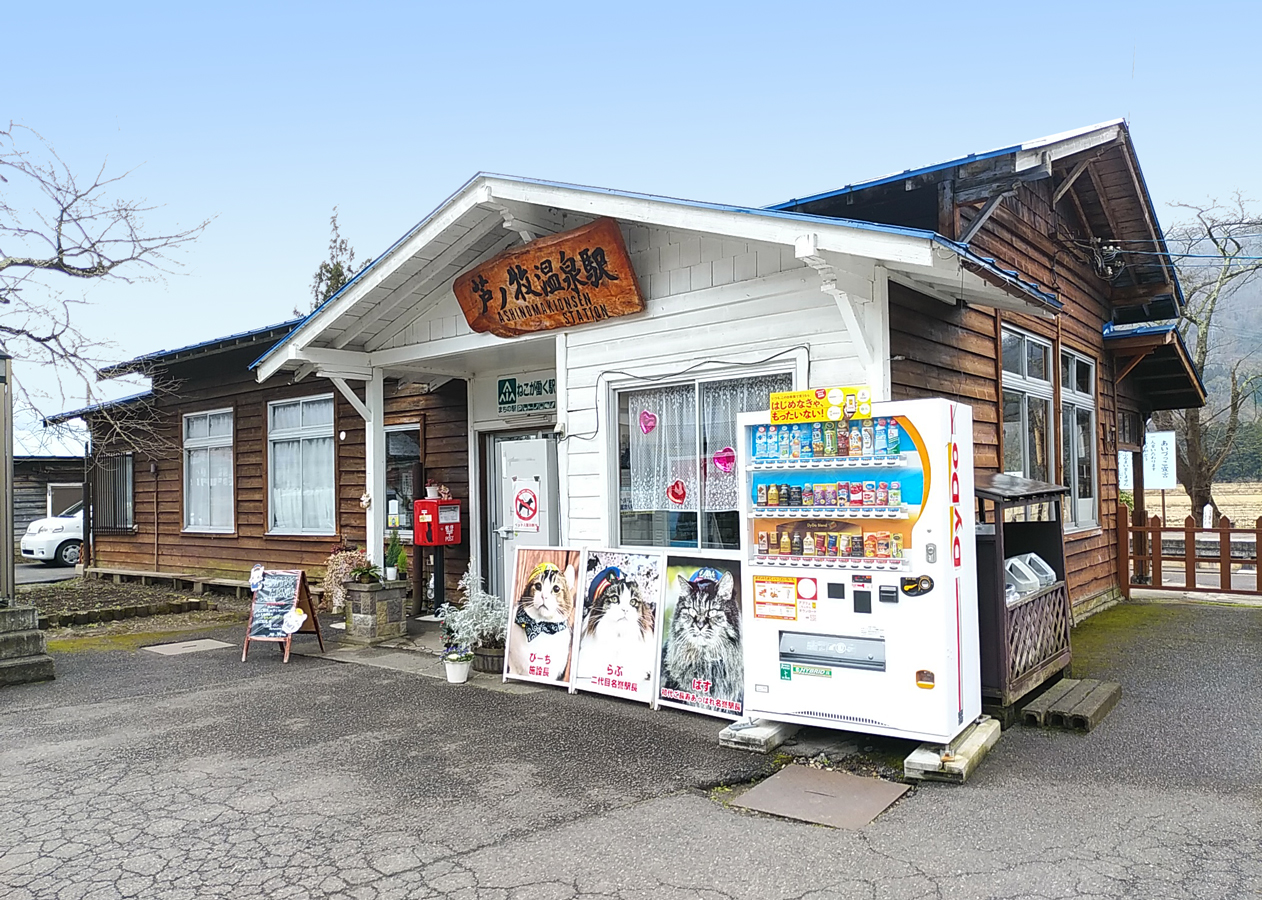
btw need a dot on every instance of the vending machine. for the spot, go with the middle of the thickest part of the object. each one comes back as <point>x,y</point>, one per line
<point>860,600</point>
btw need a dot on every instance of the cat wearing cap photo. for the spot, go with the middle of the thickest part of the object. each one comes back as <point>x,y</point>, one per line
<point>705,636</point>
<point>618,625</point>
<point>539,637</point>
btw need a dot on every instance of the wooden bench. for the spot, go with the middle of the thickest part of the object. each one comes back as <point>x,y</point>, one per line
<point>177,580</point>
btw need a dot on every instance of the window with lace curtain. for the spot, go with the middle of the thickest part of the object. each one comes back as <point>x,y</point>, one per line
<point>300,466</point>
<point>677,486</point>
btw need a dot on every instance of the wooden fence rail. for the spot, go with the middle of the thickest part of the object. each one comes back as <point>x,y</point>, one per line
<point>1142,556</point>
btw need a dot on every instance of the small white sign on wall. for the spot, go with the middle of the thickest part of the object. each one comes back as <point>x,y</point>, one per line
<point>1159,455</point>
<point>1125,471</point>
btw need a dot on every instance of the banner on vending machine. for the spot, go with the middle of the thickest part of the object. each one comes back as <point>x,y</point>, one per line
<point>619,639</point>
<point>701,667</point>
<point>821,405</point>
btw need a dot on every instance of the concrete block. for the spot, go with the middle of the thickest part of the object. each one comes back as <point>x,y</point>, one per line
<point>1058,712</point>
<point>1035,712</point>
<point>18,644</point>
<point>18,618</point>
<point>760,736</point>
<point>26,670</point>
<point>955,762</point>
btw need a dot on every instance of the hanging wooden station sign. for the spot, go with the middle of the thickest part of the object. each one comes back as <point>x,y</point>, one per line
<point>579,276</point>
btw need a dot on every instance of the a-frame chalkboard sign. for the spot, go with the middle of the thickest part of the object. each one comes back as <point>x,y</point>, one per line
<point>282,592</point>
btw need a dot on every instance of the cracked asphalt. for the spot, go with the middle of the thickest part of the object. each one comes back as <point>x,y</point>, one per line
<point>195,776</point>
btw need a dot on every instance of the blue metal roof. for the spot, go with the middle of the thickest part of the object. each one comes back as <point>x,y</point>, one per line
<point>61,417</point>
<point>1010,276</point>
<point>950,164</point>
<point>1168,326</point>
<point>204,347</point>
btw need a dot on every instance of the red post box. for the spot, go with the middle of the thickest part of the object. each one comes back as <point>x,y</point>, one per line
<point>436,523</point>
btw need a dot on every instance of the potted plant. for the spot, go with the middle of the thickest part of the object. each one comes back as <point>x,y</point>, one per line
<point>394,550</point>
<point>457,661</point>
<point>479,623</point>
<point>431,489</point>
<point>366,573</point>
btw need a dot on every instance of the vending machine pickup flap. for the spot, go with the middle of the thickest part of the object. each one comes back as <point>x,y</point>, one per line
<point>832,650</point>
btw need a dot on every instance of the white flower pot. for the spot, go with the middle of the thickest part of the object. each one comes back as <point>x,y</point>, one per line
<point>431,493</point>
<point>392,573</point>
<point>457,672</point>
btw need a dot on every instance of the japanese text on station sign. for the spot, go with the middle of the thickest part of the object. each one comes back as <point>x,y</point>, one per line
<point>579,276</point>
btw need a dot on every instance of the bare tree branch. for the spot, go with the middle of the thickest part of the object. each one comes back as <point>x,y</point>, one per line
<point>57,230</point>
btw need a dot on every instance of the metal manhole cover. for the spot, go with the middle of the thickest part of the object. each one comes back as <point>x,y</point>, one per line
<point>186,647</point>
<point>838,799</point>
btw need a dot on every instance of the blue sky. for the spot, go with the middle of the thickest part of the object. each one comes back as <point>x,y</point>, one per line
<point>267,115</point>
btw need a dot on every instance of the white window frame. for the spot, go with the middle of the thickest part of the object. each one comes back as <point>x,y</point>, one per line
<point>1021,383</point>
<point>299,433</point>
<point>1071,398</point>
<point>793,365</point>
<point>405,515</point>
<point>210,443</point>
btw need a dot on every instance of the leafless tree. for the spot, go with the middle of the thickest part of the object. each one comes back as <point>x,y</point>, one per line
<point>1216,251</point>
<point>58,233</point>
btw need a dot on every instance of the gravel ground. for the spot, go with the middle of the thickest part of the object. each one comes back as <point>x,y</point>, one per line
<point>81,594</point>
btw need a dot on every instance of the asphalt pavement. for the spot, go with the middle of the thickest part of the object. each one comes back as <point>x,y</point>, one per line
<point>195,776</point>
<point>42,574</point>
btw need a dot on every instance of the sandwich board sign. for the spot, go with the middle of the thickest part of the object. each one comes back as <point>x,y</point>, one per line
<point>281,608</point>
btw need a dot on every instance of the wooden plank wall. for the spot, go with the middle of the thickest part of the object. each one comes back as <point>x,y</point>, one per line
<point>444,419</point>
<point>225,382</point>
<point>955,352</point>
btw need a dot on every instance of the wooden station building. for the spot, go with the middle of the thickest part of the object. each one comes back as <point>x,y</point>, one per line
<point>1027,282</point>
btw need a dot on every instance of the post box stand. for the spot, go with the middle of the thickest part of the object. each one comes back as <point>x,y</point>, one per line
<point>436,524</point>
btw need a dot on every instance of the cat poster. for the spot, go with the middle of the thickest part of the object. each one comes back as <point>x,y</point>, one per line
<point>542,615</point>
<point>701,666</point>
<point>617,640</point>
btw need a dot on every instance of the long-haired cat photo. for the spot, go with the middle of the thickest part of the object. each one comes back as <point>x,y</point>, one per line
<point>618,639</point>
<point>539,635</point>
<point>705,636</point>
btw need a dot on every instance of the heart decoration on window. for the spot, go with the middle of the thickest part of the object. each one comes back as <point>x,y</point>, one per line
<point>725,460</point>
<point>648,421</point>
<point>677,493</point>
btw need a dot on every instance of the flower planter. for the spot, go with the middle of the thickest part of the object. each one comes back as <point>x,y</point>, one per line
<point>392,573</point>
<point>431,493</point>
<point>457,671</point>
<point>375,612</point>
<point>486,659</point>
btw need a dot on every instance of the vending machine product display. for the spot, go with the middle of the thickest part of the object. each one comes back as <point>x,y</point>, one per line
<point>860,599</point>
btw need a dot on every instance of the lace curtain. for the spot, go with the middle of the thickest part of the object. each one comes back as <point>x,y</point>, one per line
<point>664,458</point>
<point>721,401</point>
<point>663,428</point>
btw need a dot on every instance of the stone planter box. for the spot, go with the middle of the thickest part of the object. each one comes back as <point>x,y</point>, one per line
<point>376,612</point>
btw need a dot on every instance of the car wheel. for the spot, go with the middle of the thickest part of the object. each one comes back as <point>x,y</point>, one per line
<point>68,553</point>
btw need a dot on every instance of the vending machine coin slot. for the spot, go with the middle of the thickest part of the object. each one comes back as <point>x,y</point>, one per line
<point>863,601</point>
<point>889,593</point>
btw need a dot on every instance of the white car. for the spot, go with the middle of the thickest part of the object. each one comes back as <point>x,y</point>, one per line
<point>55,541</point>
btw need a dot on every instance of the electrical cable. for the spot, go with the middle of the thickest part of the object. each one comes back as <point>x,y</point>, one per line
<point>671,375</point>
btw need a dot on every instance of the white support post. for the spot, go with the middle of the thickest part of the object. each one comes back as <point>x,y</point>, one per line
<point>375,466</point>
<point>877,326</point>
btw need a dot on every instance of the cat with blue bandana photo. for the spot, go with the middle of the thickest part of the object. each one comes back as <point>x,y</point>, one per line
<point>542,614</point>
